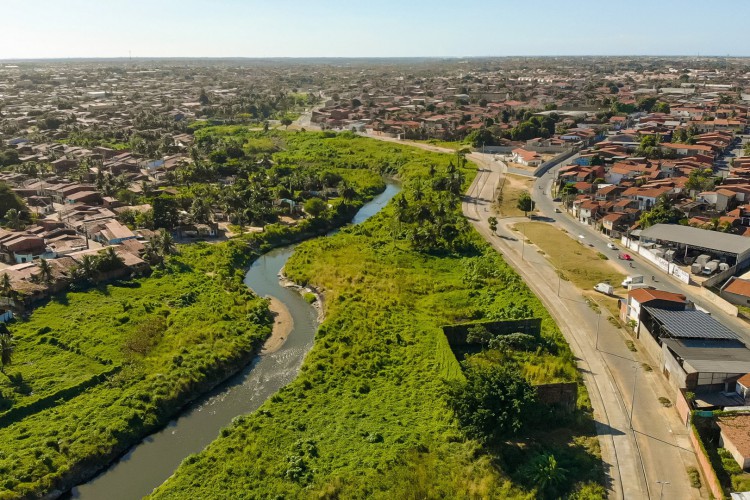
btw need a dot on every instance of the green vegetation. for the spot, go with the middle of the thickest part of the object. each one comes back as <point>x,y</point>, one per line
<point>695,477</point>
<point>369,414</point>
<point>525,203</point>
<point>12,207</point>
<point>578,262</point>
<point>126,356</point>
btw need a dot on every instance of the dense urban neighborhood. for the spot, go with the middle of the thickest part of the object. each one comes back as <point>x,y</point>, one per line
<point>531,276</point>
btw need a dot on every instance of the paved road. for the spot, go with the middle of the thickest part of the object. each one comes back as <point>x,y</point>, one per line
<point>658,448</point>
<point>543,198</point>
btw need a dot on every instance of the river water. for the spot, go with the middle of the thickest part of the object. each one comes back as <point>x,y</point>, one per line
<point>153,460</point>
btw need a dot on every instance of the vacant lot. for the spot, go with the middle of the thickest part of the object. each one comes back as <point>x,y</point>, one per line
<point>578,263</point>
<point>512,188</point>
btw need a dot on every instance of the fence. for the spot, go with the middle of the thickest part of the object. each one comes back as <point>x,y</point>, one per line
<point>668,267</point>
<point>718,279</point>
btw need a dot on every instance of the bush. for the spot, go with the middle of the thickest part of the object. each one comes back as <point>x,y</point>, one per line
<point>491,404</point>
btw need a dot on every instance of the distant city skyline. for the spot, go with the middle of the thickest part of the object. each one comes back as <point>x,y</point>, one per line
<point>46,29</point>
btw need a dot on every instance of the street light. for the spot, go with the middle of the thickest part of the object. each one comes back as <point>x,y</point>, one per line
<point>632,401</point>
<point>661,490</point>
<point>598,320</point>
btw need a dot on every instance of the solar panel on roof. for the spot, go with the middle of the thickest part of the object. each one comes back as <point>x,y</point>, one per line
<point>691,324</point>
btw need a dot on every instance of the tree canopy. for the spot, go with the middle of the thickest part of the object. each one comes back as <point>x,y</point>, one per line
<point>662,213</point>
<point>491,404</point>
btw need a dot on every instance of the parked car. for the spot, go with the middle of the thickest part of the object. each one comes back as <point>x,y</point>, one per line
<point>605,288</point>
<point>611,246</point>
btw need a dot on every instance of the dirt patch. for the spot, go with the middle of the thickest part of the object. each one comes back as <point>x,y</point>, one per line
<point>512,187</point>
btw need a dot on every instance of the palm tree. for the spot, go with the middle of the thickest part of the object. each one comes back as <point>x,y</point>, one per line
<point>167,243</point>
<point>7,346</point>
<point>108,260</point>
<point>546,474</point>
<point>86,268</point>
<point>45,270</point>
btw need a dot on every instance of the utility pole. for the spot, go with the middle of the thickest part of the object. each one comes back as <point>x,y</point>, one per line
<point>661,490</point>
<point>598,320</point>
<point>632,401</point>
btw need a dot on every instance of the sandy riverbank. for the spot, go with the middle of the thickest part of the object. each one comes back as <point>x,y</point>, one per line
<point>282,326</point>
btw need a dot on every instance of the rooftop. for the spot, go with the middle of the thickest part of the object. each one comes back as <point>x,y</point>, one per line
<point>693,236</point>
<point>692,324</point>
<point>711,356</point>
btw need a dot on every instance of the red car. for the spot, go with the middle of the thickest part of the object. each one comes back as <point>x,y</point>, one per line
<point>624,256</point>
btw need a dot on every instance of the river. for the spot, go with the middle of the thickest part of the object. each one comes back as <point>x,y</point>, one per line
<point>153,460</point>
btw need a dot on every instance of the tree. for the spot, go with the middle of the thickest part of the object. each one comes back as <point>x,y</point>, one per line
<point>491,404</point>
<point>547,475</point>
<point>6,287</point>
<point>165,212</point>
<point>10,200</point>
<point>481,137</point>
<point>525,203</point>
<point>45,270</point>
<point>13,219</point>
<point>200,210</point>
<point>203,98</point>
<point>492,221</point>
<point>286,121</point>
<point>166,243</point>
<point>86,269</point>
<point>662,213</point>
<point>7,347</point>
<point>700,180</point>
<point>661,107</point>
<point>108,260</point>
<point>315,206</point>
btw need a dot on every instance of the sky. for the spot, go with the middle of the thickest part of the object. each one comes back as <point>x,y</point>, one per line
<point>31,29</point>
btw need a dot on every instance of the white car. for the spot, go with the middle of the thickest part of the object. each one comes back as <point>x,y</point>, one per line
<point>611,246</point>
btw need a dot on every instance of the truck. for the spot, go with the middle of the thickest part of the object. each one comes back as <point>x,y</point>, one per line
<point>605,288</point>
<point>702,259</point>
<point>632,280</point>
<point>710,267</point>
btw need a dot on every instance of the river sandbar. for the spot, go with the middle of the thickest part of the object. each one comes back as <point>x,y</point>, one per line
<point>282,326</point>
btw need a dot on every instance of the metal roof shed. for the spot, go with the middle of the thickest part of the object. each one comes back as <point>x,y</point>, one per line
<point>712,241</point>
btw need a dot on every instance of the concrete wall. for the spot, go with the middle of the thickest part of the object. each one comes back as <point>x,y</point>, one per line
<point>733,298</point>
<point>741,460</point>
<point>650,345</point>
<point>544,167</point>
<point>705,465</point>
<point>682,407</point>
<point>674,372</point>
<point>720,303</point>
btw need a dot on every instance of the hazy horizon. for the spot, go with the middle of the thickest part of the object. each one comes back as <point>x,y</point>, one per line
<point>231,29</point>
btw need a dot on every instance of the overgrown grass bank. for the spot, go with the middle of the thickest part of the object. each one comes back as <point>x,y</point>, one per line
<point>94,371</point>
<point>368,416</point>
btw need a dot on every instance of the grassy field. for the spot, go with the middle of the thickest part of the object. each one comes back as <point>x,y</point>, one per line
<point>367,416</point>
<point>513,186</point>
<point>95,370</point>
<point>578,263</point>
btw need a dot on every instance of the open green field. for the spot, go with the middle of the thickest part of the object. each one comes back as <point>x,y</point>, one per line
<point>368,415</point>
<point>578,263</point>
